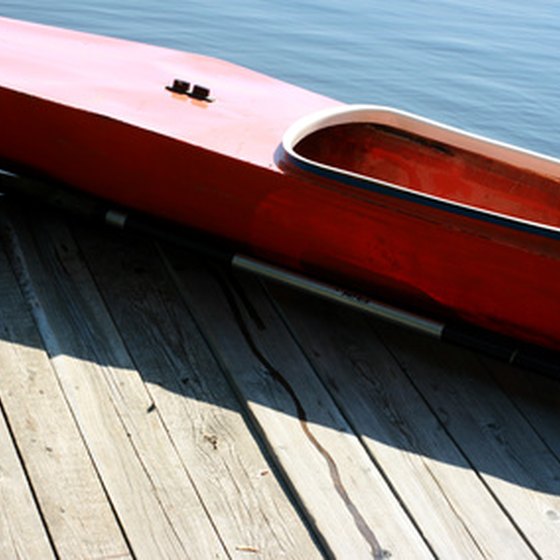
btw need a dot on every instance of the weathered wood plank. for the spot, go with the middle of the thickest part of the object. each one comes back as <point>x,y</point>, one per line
<point>514,462</point>
<point>142,473</point>
<point>72,500</point>
<point>22,533</point>
<point>453,508</point>
<point>346,498</point>
<point>204,418</point>
<point>536,397</point>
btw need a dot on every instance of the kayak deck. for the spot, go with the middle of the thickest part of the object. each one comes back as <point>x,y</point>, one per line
<point>129,81</point>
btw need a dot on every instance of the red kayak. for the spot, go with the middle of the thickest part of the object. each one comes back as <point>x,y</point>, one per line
<point>377,199</point>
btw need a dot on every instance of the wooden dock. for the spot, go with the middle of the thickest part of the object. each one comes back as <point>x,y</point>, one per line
<point>157,406</point>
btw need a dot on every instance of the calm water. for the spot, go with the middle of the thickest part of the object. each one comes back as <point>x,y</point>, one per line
<point>489,67</point>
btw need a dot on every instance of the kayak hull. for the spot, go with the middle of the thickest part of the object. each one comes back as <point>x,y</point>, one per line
<point>226,173</point>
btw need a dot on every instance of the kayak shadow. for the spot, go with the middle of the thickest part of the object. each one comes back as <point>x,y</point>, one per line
<point>195,329</point>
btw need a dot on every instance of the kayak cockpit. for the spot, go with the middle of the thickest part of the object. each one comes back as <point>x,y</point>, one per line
<point>370,146</point>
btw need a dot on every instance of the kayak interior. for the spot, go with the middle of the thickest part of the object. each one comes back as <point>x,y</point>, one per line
<point>415,155</point>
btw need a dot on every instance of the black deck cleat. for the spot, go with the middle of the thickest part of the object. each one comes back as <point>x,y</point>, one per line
<point>179,86</point>
<point>200,92</point>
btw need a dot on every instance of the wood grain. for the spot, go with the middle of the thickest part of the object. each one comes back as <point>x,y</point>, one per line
<point>22,533</point>
<point>73,502</point>
<point>206,422</point>
<point>346,498</point>
<point>436,482</point>
<point>151,493</point>
<point>512,459</point>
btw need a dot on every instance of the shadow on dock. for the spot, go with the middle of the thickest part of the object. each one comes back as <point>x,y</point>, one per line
<point>199,331</point>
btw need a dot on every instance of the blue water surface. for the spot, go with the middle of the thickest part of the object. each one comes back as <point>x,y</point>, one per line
<point>489,67</point>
